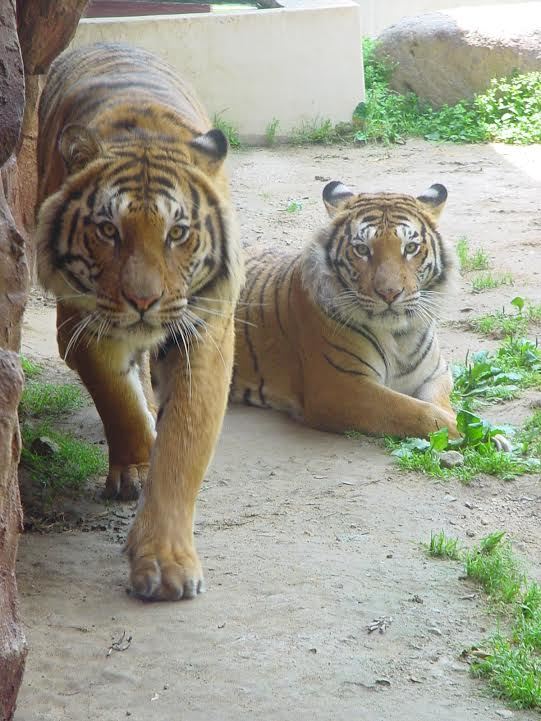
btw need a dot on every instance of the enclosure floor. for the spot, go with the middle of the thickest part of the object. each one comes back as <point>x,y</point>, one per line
<point>305,537</point>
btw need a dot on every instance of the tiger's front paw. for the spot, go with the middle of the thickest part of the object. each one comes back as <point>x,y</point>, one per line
<point>124,483</point>
<point>164,571</point>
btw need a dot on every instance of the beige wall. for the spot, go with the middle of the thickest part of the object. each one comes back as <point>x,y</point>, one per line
<point>293,64</point>
<point>379,14</point>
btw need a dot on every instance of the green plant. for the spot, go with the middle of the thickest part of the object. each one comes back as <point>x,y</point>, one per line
<point>271,130</point>
<point>501,323</point>
<point>294,206</point>
<point>493,565</point>
<point>468,260</point>
<point>31,370</point>
<point>69,467</point>
<point>51,399</point>
<point>489,281</point>
<point>482,378</point>
<point>441,546</point>
<point>480,454</point>
<point>228,129</point>
<point>316,131</point>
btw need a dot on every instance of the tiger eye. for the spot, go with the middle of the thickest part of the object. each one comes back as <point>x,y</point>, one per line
<point>178,233</point>
<point>411,247</point>
<point>107,229</point>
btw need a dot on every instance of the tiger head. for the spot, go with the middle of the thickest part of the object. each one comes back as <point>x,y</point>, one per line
<point>136,230</point>
<point>381,261</point>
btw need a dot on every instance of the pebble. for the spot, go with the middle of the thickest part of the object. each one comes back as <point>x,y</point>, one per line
<point>435,630</point>
<point>451,459</point>
<point>505,713</point>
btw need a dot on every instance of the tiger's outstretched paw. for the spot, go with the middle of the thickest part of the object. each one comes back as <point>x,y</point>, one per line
<point>165,572</point>
<point>124,483</point>
<point>502,443</point>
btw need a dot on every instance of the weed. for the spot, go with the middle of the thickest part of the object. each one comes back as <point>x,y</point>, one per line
<point>228,129</point>
<point>489,281</point>
<point>31,370</point>
<point>468,260</point>
<point>441,546</point>
<point>319,131</point>
<point>502,324</point>
<point>493,565</point>
<point>271,130</point>
<point>293,206</point>
<point>70,467</point>
<point>51,399</point>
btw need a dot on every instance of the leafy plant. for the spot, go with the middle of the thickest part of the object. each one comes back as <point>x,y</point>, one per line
<point>31,370</point>
<point>294,206</point>
<point>318,131</point>
<point>501,324</point>
<point>481,378</point>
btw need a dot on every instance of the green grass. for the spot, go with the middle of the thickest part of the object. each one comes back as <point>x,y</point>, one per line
<point>294,206</point>
<point>471,260</point>
<point>228,129</point>
<point>271,130</point>
<point>51,399</point>
<point>501,324</point>
<point>75,462</point>
<point>320,131</point>
<point>508,111</point>
<point>489,281</point>
<point>31,370</point>
<point>480,454</point>
<point>441,546</point>
<point>511,663</point>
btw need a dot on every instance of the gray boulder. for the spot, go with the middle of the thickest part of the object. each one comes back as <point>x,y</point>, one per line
<point>444,57</point>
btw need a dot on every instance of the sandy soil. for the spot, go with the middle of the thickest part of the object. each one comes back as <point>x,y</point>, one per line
<point>306,537</point>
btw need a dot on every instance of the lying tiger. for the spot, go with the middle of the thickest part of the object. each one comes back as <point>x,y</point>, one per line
<point>137,239</point>
<point>343,335</point>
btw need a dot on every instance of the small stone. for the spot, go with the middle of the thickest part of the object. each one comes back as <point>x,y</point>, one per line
<point>470,534</point>
<point>312,650</point>
<point>383,682</point>
<point>416,599</point>
<point>504,713</point>
<point>451,459</point>
<point>469,505</point>
<point>484,522</point>
<point>44,446</point>
<point>435,630</point>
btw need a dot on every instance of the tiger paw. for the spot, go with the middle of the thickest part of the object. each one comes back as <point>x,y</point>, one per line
<point>124,483</point>
<point>164,571</point>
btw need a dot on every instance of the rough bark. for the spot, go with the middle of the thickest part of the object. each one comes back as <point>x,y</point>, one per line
<point>44,28</point>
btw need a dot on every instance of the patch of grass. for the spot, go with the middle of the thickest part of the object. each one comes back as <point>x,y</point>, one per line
<point>502,324</point>
<point>471,260</point>
<point>294,206</point>
<point>228,129</point>
<point>69,468</point>
<point>271,130</point>
<point>493,565</point>
<point>480,454</point>
<point>31,370</point>
<point>441,546</point>
<point>489,281</point>
<point>510,662</point>
<point>508,111</point>
<point>51,399</point>
<point>530,436</point>
<point>318,131</point>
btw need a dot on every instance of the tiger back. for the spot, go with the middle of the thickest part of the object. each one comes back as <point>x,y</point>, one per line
<point>343,334</point>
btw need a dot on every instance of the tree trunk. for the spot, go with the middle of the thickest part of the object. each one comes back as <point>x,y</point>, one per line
<point>44,29</point>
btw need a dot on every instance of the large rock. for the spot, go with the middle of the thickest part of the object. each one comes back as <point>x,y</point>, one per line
<point>444,57</point>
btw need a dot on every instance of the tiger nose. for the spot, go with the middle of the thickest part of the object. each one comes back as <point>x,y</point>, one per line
<point>140,302</point>
<point>389,295</point>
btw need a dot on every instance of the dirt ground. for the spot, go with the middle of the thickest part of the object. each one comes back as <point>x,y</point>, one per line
<point>305,537</point>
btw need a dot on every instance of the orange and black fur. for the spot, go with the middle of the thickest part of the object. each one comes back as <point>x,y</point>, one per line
<point>343,335</point>
<point>137,239</point>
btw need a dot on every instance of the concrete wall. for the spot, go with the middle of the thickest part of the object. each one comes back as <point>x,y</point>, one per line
<point>294,64</point>
<point>379,14</point>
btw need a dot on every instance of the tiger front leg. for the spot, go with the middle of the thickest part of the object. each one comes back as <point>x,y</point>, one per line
<point>160,545</point>
<point>114,380</point>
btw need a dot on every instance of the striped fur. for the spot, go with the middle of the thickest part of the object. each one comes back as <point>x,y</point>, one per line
<point>137,239</point>
<point>343,335</point>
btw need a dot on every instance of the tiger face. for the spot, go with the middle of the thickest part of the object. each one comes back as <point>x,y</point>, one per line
<point>137,233</point>
<point>384,259</point>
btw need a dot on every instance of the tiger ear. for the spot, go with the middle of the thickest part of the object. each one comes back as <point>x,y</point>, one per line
<point>433,200</point>
<point>78,146</point>
<point>335,195</point>
<point>210,149</point>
